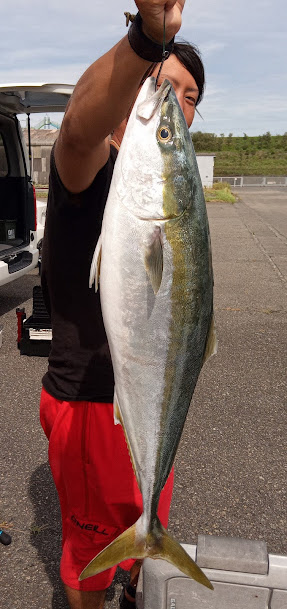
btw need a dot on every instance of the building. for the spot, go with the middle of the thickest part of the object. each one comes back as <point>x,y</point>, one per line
<point>42,141</point>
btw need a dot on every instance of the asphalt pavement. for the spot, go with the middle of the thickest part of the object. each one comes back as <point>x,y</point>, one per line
<point>231,466</point>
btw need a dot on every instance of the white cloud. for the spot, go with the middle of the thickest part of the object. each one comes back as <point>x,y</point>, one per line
<point>243,46</point>
<point>212,46</point>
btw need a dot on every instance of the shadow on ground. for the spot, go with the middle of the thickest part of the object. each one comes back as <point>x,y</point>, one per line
<point>13,294</point>
<point>46,529</point>
<point>46,535</point>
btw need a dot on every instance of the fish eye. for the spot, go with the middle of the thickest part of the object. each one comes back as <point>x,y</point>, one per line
<point>164,133</point>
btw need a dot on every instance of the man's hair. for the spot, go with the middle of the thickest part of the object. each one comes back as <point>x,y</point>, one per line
<point>189,56</point>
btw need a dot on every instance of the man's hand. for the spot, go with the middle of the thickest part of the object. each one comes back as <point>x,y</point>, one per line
<point>103,96</point>
<point>152,13</point>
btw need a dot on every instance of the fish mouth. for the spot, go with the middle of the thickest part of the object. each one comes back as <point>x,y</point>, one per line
<point>156,219</point>
<point>149,106</point>
<point>161,219</point>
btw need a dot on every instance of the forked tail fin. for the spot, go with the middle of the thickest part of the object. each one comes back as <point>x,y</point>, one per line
<point>156,544</point>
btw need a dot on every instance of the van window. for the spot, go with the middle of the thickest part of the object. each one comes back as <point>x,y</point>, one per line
<point>3,159</point>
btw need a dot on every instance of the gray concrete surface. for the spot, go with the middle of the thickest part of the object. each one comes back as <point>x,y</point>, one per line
<point>231,466</point>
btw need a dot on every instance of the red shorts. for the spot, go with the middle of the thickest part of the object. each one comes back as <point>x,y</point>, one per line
<point>98,492</point>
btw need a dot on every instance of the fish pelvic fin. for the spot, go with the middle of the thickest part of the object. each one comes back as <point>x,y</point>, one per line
<point>96,265</point>
<point>156,544</point>
<point>153,258</point>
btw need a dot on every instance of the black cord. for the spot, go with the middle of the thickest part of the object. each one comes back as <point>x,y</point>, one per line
<point>165,54</point>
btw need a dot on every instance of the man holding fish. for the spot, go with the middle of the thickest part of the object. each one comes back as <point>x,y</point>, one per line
<point>98,491</point>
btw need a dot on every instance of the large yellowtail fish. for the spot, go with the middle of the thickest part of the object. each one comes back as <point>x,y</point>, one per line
<point>154,263</point>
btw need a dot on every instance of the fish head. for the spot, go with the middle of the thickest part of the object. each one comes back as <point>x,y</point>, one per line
<point>154,168</point>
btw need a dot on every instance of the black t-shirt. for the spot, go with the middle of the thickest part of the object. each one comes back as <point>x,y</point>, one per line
<point>80,365</point>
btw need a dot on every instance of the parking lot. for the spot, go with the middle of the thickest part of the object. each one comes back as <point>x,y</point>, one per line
<point>231,466</point>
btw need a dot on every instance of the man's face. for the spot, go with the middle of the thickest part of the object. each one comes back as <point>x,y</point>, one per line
<point>183,83</point>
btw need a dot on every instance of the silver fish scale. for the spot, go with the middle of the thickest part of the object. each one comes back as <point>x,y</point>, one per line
<point>157,340</point>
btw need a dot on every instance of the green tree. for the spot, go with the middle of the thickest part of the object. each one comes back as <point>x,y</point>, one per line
<point>229,140</point>
<point>284,141</point>
<point>266,140</point>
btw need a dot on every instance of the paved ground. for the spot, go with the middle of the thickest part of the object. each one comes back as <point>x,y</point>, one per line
<point>231,465</point>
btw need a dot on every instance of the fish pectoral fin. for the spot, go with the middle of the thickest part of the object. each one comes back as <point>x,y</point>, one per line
<point>157,543</point>
<point>96,264</point>
<point>211,343</point>
<point>153,259</point>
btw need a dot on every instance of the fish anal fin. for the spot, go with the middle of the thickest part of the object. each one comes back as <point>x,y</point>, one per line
<point>211,343</point>
<point>156,543</point>
<point>117,413</point>
<point>118,419</point>
<point>153,258</point>
<point>96,265</point>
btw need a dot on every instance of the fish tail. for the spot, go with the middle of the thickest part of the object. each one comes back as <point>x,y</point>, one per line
<point>167,548</point>
<point>157,543</point>
<point>122,548</point>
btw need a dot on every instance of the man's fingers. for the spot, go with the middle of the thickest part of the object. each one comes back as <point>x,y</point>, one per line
<point>154,7</point>
<point>170,4</point>
<point>152,13</point>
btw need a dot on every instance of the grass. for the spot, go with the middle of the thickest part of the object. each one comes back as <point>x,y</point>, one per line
<point>245,163</point>
<point>40,194</point>
<point>36,529</point>
<point>219,192</point>
<point>259,155</point>
<point>41,191</point>
<point>6,525</point>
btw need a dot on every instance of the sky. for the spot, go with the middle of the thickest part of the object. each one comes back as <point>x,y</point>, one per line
<point>243,46</point>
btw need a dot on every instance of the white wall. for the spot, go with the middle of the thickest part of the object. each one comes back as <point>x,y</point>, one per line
<point>205,165</point>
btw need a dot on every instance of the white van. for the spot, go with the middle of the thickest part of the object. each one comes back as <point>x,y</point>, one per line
<point>18,206</point>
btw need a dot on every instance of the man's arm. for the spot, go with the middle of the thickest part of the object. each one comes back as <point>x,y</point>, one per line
<point>103,96</point>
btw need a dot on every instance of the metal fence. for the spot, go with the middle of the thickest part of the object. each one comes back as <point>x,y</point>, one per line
<point>253,180</point>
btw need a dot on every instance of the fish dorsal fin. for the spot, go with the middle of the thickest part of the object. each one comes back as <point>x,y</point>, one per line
<point>153,258</point>
<point>96,264</point>
<point>211,344</point>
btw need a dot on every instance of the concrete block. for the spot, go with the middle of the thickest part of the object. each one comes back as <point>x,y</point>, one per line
<point>279,599</point>
<point>162,586</point>
<point>183,593</point>
<point>232,554</point>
